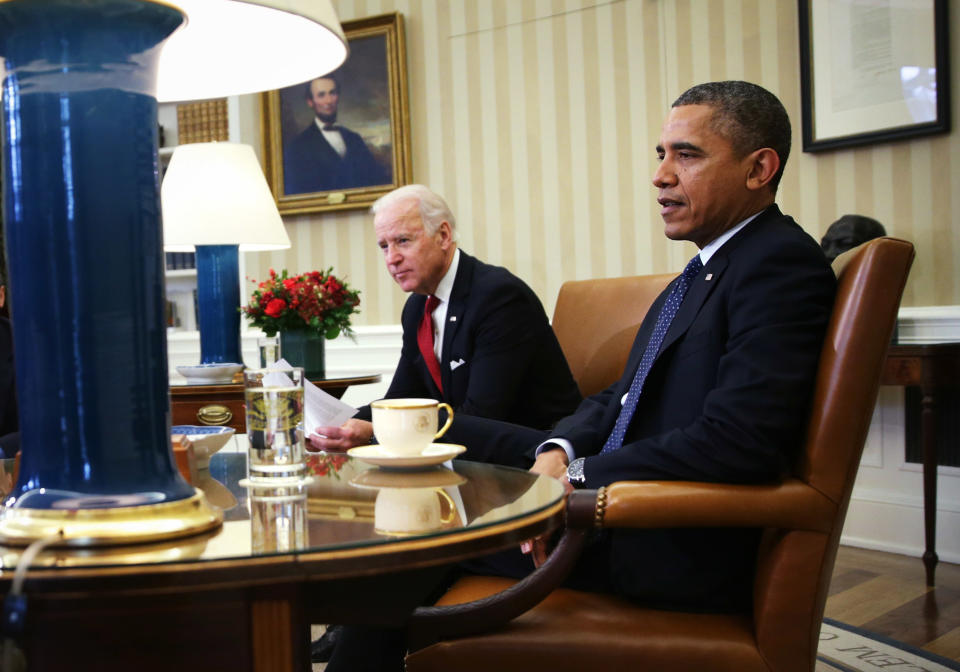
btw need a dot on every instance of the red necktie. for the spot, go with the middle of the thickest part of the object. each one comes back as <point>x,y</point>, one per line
<point>425,340</point>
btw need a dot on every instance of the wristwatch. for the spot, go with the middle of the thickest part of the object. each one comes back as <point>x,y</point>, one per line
<point>575,473</point>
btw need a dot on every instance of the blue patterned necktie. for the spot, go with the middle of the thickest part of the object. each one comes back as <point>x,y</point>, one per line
<point>667,313</point>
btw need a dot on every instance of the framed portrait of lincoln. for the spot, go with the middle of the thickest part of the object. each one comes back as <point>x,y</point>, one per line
<point>341,140</point>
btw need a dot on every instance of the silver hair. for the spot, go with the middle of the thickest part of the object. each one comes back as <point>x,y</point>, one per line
<point>433,209</point>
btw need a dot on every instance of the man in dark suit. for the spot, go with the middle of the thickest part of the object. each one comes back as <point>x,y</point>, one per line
<point>494,353</point>
<point>325,156</point>
<point>726,392</point>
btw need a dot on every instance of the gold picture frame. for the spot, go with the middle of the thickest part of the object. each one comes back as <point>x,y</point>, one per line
<point>371,116</point>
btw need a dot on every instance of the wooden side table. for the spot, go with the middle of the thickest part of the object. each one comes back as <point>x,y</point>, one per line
<point>931,367</point>
<point>223,404</point>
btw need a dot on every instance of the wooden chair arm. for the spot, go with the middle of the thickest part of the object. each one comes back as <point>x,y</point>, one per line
<point>431,624</point>
<point>643,504</point>
<point>791,504</point>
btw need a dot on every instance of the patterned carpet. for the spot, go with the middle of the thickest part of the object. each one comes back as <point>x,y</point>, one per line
<point>844,648</point>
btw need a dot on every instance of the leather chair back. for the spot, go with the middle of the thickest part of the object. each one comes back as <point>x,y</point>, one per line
<point>796,565</point>
<point>596,321</point>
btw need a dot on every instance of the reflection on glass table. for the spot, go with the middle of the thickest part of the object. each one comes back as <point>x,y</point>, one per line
<point>343,504</point>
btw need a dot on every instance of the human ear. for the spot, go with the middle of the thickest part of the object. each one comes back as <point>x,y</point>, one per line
<point>445,233</point>
<point>762,165</point>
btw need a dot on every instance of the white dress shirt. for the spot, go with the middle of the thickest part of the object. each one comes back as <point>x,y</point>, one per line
<point>443,292</point>
<point>333,137</point>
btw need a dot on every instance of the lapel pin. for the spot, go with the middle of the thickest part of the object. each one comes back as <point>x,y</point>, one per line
<point>453,318</point>
<point>709,277</point>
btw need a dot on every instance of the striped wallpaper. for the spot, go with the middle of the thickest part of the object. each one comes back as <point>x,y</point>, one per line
<point>537,119</point>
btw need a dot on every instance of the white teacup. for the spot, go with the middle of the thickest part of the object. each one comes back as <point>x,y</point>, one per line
<point>405,427</point>
<point>412,510</point>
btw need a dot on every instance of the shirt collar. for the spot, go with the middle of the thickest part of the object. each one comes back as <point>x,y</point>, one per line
<point>321,125</point>
<point>710,248</point>
<point>445,287</point>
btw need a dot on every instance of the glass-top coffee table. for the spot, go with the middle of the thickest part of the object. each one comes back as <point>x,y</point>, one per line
<point>355,544</point>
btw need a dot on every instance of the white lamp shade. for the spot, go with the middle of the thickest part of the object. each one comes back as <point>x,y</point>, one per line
<point>230,47</point>
<point>215,193</point>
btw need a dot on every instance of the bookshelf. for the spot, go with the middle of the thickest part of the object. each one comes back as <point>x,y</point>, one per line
<point>204,121</point>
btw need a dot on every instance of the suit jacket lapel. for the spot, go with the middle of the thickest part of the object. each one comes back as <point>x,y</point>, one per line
<point>324,146</point>
<point>459,297</point>
<point>696,295</point>
<point>709,278</point>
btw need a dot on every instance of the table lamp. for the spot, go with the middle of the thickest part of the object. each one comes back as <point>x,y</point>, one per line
<point>84,241</point>
<point>216,199</point>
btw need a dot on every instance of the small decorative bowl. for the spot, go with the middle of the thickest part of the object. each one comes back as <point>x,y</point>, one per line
<point>209,374</point>
<point>206,440</point>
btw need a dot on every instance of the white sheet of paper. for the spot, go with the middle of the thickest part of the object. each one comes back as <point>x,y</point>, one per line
<point>322,409</point>
<point>319,408</point>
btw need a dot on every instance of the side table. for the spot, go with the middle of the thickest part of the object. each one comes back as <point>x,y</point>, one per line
<point>223,404</point>
<point>931,367</point>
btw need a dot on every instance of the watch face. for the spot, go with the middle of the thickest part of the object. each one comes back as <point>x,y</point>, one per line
<point>575,471</point>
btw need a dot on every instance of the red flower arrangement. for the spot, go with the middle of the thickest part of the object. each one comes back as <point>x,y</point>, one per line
<point>316,300</point>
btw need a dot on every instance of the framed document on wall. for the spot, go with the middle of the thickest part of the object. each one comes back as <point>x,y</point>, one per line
<point>873,71</point>
<point>341,140</point>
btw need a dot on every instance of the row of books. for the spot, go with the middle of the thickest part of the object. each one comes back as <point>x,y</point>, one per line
<point>204,121</point>
<point>173,316</point>
<point>179,260</point>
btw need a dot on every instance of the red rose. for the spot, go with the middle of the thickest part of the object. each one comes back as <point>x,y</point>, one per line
<point>275,308</point>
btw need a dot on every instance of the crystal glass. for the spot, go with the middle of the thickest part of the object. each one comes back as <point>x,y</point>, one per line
<point>274,406</point>
<point>269,347</point>
<point>278,518</point>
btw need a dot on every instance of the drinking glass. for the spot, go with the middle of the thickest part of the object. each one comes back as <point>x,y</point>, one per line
<point>278,516</point>
<point>269,347</point>
<point>274,406</point>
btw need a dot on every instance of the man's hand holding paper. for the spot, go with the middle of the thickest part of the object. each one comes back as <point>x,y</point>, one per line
<point>326,419</point>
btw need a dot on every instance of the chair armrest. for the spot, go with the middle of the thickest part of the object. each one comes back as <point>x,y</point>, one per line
<point>431,624</point>
<point>640,504</point>
<point>791,504</point>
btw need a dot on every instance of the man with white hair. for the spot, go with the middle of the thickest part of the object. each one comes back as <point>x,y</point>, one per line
<point>474,335</point>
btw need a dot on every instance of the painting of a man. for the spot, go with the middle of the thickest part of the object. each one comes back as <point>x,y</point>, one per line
<point>341,140</point>
<point>325,155</point>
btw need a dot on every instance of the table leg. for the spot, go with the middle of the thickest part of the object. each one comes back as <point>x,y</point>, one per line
<point>278,640</point>
<point>928,440</point>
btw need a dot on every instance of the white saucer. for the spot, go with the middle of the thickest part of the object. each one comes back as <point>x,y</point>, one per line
<point>435,453</point>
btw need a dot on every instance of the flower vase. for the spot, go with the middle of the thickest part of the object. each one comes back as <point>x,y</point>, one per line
<point>306,349</point>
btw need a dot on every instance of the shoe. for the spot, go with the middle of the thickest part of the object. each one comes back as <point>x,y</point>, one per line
<point>322,649</point>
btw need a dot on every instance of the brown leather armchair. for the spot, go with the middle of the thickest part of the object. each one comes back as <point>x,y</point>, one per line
<point>596,321</point>
<point>802,518</point>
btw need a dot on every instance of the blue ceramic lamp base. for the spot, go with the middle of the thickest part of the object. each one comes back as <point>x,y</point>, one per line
<point>85,260</point>
<point>218,299</point>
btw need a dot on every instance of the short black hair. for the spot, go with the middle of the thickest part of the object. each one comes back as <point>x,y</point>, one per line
<point>308,93</point>
<point>747,115</point>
